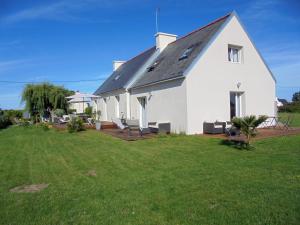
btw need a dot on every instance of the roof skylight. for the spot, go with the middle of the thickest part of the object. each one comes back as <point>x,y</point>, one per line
<point>152,67</point>
<point>186,53</point>
<point>117,77</point>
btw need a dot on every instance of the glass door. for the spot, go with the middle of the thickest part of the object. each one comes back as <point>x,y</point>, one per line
<point>235,104</point>
<point>143,112</point>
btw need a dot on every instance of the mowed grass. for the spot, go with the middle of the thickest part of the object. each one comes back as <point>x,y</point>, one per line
<point>295,118</point>
<point>166,180</point>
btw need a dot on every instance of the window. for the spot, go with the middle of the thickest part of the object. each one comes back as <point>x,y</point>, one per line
<point>154,65</point>
<point>117,77</point>
<point>234,54</point>
<point>186,53</point>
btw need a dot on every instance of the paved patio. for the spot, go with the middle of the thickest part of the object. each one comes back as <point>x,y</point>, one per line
<point>124,134</point>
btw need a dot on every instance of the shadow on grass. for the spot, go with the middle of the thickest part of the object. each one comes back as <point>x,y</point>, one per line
<point>240,145</point>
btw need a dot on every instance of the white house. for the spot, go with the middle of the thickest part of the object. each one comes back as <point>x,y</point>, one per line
<point>213,73</point>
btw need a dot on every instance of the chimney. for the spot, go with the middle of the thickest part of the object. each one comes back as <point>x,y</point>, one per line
<point>117,64</point>
<point>163,39</point>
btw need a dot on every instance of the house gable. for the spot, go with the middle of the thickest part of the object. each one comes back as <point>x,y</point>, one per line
<point>213,76</point>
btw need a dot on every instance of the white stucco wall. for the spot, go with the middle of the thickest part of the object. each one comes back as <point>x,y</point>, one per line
<point>166,102</point>
<point>212,77</point>
<point>108,112</point>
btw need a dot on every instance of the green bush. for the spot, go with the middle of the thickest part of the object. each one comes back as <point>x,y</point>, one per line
<point>71,111</point>
<point>11,113</point>
<point>291,107</point>
<point>25,122</point>
<point>89,111</point>
<point>59,112</point>
<point>75,125</point>
<point>4,121</point>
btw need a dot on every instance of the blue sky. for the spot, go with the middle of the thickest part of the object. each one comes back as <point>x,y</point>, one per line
<point>71,40</point>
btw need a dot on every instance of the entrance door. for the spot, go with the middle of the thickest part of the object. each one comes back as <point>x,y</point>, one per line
<point>143,112</point>
<point>235,104</point>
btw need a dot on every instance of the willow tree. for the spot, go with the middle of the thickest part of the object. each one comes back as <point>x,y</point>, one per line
<point>41,99</point>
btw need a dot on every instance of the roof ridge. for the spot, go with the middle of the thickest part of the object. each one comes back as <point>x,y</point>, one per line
<point>200,28</point>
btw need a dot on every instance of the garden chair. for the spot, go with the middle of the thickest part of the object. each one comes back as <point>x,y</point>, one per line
<point>119,123</point>
<point>134,125</point>
<point>285,124</point>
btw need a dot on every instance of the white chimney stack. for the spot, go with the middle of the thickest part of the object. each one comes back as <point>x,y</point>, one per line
<point>163,39</point>
<point>117,64</point>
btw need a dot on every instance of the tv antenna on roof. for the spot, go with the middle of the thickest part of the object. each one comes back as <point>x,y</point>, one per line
<point>156,18</point>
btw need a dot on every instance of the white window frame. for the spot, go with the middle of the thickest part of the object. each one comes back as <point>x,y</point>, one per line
<point>230,54</point>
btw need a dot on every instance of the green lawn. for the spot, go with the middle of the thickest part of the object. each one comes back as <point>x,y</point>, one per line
<point>295,118</point>
<point>166,180</point>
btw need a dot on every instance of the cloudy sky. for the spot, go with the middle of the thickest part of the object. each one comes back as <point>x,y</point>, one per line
<point>66,41</point>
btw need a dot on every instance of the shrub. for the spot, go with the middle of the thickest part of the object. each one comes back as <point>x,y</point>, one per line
<point>11,113</point>
<point>291,108</point>
<point>4,121</point>
<point>247,125</point>
<point>89,111</point>
<point>25,122</point>
<point>71,111</point>
<point>75,125</point>
<point>59,112</point>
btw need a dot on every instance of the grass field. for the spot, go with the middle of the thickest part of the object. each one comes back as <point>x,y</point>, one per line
<point>166,180</point>
<point>295,118</point>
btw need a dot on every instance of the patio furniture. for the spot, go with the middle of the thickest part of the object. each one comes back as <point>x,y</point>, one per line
<point>214,128</point>
<point>120,124</point>
<point>270,122</point>
<point>90,121</point>
<point>133,125</point>
<point>66,117</point>
<point>153,127</point>
<point>231,130</point>
<point>285,124</point>
<point>164,128</point>
<point>59,120</point>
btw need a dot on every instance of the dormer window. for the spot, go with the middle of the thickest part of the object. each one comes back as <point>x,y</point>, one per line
<point>234,54</point>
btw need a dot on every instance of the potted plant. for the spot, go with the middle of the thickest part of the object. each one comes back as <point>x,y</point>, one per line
<point>96,117</point>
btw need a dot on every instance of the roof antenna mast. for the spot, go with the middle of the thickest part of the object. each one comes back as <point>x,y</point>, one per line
<point>156,18</point>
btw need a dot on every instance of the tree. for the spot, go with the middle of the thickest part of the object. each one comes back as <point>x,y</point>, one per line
<point>296,97</point>
<point>42,98</point>
<point>247,125</point>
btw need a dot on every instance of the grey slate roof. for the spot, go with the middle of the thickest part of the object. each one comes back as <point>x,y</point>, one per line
<point>124,73</point>
<point>169,66</point>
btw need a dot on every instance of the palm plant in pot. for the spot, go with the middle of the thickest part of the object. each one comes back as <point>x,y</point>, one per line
<point>96,117</point>
<point>248,126</point>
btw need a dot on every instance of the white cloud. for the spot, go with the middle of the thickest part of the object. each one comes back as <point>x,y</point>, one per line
<point>64,10</point>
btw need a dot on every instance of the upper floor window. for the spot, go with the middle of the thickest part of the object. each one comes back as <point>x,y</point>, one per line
<point>234,54</point>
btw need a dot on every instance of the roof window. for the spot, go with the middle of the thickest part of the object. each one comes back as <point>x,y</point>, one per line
<point>117,77</point>
<point>186,53</point>
<point>153,66</point>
